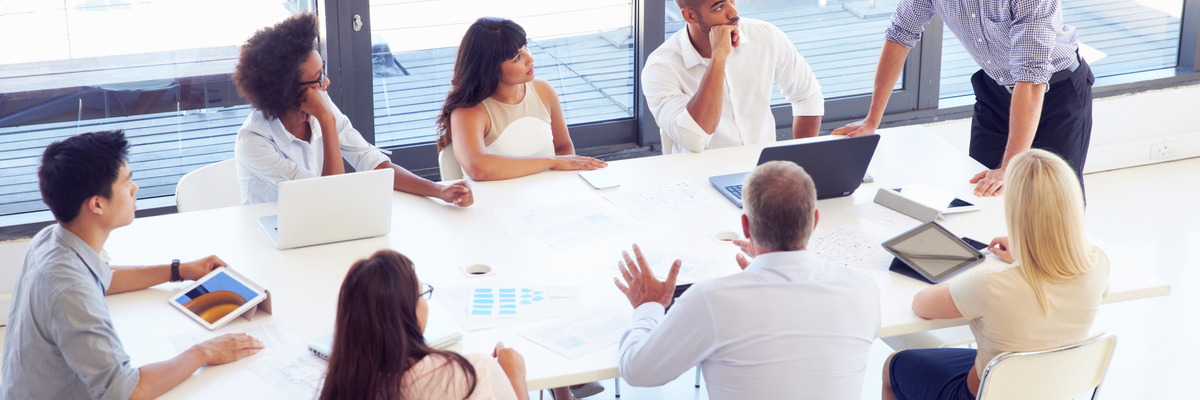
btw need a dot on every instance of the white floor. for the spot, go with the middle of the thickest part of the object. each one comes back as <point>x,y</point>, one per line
<point>1148,211</point>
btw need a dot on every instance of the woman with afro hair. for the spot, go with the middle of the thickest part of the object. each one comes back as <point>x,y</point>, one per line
<point>295,130</point>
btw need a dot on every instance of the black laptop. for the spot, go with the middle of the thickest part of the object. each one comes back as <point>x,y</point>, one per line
<point>837,166</point>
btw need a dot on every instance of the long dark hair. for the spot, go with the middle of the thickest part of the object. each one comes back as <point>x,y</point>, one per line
<point>488,43</point>
<point>377,338</point>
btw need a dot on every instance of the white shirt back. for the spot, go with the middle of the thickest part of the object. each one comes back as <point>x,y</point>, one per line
<point>764,56</point>
<point>789,326</point>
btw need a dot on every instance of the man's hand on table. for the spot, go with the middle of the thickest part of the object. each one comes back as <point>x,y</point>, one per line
<point>643,287</point>
<point>856,129</point>
<point>193,270</point>
<point>229,348</point>
<point>989,183</point>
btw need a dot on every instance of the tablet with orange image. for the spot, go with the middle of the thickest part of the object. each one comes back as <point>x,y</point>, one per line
<point>218,298</point>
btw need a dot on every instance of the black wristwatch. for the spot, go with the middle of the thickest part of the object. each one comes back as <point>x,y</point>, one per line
<point>175,271</point>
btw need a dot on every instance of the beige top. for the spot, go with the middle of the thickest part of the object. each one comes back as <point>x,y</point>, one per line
<point>1005,315</point>
<point>526,125</point>
<point>437,377</point>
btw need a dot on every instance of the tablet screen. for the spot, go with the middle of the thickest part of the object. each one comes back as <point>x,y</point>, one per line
<point>933,251</point>
<point>216,297</point>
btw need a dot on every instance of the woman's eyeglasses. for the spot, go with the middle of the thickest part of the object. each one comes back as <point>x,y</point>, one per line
<point>320,79</point>
<point>426,291</point>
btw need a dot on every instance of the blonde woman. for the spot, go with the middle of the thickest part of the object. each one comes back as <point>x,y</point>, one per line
<point>1046,297</point>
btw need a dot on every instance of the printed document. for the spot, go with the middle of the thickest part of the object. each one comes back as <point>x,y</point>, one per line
<point>563,225</point>
<point>596,328</point>
<point>648,202</point>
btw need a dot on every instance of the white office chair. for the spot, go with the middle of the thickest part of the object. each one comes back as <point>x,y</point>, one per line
<point>1062,373</point>
<point>212,186</point>
<point>448,164</point>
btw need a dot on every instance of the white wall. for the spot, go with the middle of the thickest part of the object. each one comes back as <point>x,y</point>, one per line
<point>1125,128</point>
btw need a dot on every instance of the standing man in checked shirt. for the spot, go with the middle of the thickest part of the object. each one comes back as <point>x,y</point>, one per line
<point>1034,90</point>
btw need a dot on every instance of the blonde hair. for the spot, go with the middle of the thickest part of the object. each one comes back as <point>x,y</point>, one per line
<point>1043,208</point>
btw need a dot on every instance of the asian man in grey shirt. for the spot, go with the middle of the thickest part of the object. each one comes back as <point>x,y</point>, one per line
<point>61,342</point>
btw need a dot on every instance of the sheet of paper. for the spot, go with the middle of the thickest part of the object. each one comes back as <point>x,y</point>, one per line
<point>563,225</point>
<point>272,332</point>
<point>493,302</point>
<point>849,246</point>
<point>300,375</point>
<point>648,202</point>
<point>596,328</point>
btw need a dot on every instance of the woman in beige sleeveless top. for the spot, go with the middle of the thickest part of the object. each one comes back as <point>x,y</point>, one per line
<point>499,121</point>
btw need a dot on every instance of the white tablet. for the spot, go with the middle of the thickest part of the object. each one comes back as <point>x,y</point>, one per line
<point>936,199</point>
<point>218,298</point>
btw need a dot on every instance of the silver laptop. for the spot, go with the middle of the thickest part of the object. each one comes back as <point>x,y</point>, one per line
<point>837,166</point>
<point>331,209</point>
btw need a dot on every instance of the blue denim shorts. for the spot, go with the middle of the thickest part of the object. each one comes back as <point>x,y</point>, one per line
<point>932,374</point>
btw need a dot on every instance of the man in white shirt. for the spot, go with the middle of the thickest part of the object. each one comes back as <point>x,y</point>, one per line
<point>787,326</point>
<point>709,85</point>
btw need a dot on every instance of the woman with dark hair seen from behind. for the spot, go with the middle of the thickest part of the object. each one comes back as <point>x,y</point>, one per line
<point>379,350</point>
<point>295,130</point>
<point>499,121</point>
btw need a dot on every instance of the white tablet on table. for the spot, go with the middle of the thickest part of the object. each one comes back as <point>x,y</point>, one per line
<point>218,298</point>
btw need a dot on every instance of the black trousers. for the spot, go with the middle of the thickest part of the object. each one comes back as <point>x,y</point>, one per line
<point>1065,127</point>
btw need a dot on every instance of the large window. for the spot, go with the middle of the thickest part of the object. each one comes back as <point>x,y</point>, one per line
<point>841,47</point>
<point>583,48</point>
<point>1117,37</point>
<point>160,70</point>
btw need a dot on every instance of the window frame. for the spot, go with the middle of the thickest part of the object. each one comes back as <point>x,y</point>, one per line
<point>348,53</point>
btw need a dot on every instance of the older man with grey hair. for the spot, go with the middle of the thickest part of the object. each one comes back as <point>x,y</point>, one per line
<point>787,326</point>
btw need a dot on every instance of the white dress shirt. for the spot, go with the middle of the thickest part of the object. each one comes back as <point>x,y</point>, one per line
<point>764,55</point>
<point>789,326</point>
<point>267,154</point>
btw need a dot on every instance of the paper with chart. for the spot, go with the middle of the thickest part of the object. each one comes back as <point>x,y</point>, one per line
<point>849,246</point>
<point>520,302</point>
<point>595,329</point>
<point>457,301</point>
<point>563,225</point>
<point>272,332</point>
<point>648,202</point>
<point>299,374</point>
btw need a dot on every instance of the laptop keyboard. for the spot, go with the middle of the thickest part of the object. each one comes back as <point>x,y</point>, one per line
<point>736,190</point>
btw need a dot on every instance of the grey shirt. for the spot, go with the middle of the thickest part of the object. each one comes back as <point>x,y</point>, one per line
<point>60,342</point>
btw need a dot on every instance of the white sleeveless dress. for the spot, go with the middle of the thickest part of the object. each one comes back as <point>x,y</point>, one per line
<point>516,130</point>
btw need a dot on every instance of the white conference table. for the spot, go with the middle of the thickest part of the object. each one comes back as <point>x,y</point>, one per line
<point>440,238</point>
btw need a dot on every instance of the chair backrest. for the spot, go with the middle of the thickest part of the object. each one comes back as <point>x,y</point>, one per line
<point>212,186</point>
<point>1060,374</point>
<point>448,164</point>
